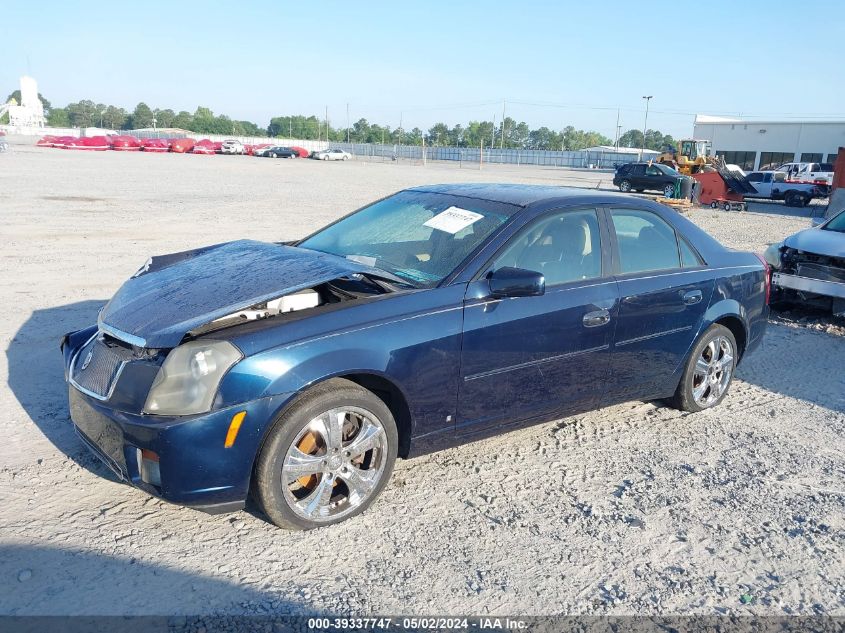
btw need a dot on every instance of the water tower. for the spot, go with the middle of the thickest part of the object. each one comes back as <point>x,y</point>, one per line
<point>30,111</point>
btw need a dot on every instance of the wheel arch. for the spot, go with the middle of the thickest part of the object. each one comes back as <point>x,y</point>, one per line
<point>385,389</point>
<point>729,313</point>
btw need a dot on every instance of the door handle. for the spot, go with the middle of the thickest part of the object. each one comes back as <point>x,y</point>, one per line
<point>692,297</point>
<point>596,318</point>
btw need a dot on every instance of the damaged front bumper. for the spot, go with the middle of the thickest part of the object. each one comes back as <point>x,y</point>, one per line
<point>807,284</point>
<point>188,460</point>
<point>196,468</point>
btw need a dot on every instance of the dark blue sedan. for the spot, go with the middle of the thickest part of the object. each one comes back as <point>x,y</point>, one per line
<point>436,316</point>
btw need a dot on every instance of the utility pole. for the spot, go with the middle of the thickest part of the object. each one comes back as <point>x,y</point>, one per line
<point>347,122</point>
<point>493,138</point>
<point>616,144</point>
<point>645,124</point>
<point>327,124</point>
<point>502,142</point>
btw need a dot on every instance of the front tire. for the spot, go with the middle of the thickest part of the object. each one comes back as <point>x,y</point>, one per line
<point>327,457</point>
<point>625,186</point>
<point>669,191</point>
<point>708,372</point>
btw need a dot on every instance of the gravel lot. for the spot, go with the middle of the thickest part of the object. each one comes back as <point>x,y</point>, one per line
<point>632,509</point>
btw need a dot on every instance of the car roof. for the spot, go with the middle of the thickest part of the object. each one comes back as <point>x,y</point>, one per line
<point>523,195</point>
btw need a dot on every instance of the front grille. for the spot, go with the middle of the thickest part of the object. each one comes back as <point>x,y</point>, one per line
<point>97,367</point>
<point>821,271</point>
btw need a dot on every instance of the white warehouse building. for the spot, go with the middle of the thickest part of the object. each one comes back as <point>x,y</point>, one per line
<point>754,144</point>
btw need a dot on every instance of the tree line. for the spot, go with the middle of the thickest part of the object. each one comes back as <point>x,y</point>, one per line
<point>509,133</point>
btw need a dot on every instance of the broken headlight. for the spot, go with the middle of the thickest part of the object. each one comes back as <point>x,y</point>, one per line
<point>772,255</point>
<point>188,379</point>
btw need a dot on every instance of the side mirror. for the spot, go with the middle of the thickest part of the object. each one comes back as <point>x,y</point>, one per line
<point>516,282</point>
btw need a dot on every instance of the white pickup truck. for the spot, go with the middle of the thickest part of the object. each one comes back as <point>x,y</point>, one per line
<point>813,173</point>
<point>774,185</point>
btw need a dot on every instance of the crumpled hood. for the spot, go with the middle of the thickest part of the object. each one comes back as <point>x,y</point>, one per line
<point>818,241</point>
<point>174,294</point>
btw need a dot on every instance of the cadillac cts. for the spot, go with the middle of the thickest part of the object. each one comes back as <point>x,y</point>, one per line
<point>441,314</point>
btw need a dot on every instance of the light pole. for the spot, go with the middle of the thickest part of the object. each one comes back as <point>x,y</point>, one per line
<point>645,124</point>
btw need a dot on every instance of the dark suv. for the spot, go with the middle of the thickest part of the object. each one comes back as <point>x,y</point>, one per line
<point>642,176</point>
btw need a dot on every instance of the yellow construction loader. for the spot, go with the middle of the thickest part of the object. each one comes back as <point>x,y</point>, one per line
<point>688,156</point>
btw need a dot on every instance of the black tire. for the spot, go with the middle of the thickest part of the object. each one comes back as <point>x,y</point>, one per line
<point>625,186</point>
<point>669,191</point>
<point>683,398</point>
<point>795,199</point>
<point>727,206</point>
<point>273,156</point>
<point>267,484</point>
<point>714,205</point>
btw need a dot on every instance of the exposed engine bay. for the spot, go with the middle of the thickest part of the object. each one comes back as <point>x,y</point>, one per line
<point>811,266</point>
<point>348,289</point>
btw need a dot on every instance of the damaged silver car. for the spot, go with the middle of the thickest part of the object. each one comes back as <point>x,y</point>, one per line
<point>809,267</point>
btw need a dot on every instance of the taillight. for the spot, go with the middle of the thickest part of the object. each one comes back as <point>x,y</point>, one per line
<point>768,277</point>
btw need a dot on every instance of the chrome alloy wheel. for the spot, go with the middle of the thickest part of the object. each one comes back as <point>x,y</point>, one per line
<point>334,464</point>
<point>712,373</point>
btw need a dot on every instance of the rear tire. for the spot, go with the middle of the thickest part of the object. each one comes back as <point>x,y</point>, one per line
<point>296,488</point>
<point>727,206</point>
<point>704,383</point>
<point>794,199</point>
<point>714,205</point>
<point>669,191</point>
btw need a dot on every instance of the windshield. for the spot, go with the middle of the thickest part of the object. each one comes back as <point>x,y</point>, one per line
<point>836,224</point>
<point>420,237</point>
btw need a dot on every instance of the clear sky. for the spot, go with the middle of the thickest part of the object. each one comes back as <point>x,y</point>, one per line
<point>556,63</point>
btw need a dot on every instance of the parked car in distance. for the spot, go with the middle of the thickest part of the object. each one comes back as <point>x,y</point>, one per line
<point>331,154</point>
<point>280,152</point>
<point>205,147</point>
<point>809,266</point>
<point>433,317</point>
<point>773,185</point>
<point>813,173</point>
<point>232,146</point>
<point>652,176</point>
<point>261,150</point>
<point>182,145</point>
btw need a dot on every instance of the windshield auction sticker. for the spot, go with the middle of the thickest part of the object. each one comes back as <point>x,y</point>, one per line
<point>453,220</point>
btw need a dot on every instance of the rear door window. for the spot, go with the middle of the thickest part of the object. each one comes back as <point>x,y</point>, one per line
<point>646,242</point>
